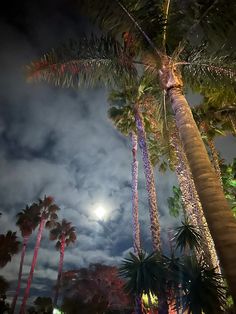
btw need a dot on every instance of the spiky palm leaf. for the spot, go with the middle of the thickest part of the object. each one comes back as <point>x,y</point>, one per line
<point>87,62</point>
<point>141,273</point>
<point>202,287</point>
<point>187,237</point>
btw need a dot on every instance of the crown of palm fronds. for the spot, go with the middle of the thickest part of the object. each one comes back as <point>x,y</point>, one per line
<point>187,236</point>
<point>112,18</point>
<point>141,273</point>
<point>202,286</point>
<point>88,62</point>
<point>180,20</point>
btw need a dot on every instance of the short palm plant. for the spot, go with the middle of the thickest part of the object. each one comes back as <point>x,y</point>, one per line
<point>201,286</point>
<point>187,237</point>
<point>144,275</point>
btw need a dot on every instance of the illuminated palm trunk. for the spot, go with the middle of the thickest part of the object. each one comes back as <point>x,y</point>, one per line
<point>150,181</point>
<point>215,159</point>
<point>25,242</point>
<point>60,267</point>
<point>136,227</point>
<point>33,264</point>
<point>219,218</point>
<point>192,203</point>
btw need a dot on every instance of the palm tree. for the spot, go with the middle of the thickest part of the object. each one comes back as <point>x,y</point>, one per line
<point>176,54</point>
<point>9,246</point>
<point>65,234</point>
<point>141,274</point>
<point>188,238</point>
<point>47,213</point>
<point>134,93</point>
<point>27,221</point>
<point>202,289</point>
<point>123,120</point>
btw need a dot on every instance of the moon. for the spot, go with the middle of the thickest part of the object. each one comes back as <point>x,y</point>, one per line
<point>100,212</point>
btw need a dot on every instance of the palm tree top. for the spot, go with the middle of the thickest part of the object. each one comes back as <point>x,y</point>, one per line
<point>63,230</point>
<point>28,219</point>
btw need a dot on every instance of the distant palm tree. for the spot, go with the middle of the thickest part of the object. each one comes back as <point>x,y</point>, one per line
<point>65,234</point>
<point>47,209</point>
<point>9,246</point>
<point>27,220</point>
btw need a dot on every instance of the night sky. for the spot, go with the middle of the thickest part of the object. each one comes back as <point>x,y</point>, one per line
<point>60,142</point>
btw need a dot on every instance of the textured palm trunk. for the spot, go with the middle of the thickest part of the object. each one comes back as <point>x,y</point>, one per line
<point>192,203</point>
<point>136,227</point>
<point>215,159</point>
<point>33,264</point>
<point>150,181</point>
<point>60,267</point>
<point>25,242</point>
<point>219,218</point>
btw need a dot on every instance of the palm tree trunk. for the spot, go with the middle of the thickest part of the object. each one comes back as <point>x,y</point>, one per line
<point>215,159</point>
<point>150,181</point>
<point>33,264</point>
<point>192,203</point>
<point>60,267</point>
<point>219,218</point>
<point>25,242</point>
<point>136,227</point>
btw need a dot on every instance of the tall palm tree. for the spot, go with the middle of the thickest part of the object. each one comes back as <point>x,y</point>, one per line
<point>123,120</point>
<point>172,30</point>
<point>47,213</point>
<point>9,246</point>
<point>27,220</point>
<point>133,93</point>
<point>65,235</point>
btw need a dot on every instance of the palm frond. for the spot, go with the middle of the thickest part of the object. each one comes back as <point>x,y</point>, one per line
<point>87,62</point>
<point>112,17</point>
<point>211,70</point>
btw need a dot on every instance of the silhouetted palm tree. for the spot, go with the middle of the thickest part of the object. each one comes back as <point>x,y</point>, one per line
<point>65,235</point>
<point>9,246</point>
<point>27,220</point>
<point>47,209</point>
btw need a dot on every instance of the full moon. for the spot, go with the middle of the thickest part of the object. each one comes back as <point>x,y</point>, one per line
<point>100,212</point>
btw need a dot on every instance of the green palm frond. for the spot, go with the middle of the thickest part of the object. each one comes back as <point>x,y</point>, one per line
<point>111,17</point>
<point>87,62</point>
<point>123,119</point>
<point>211,70</point>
